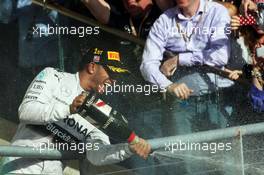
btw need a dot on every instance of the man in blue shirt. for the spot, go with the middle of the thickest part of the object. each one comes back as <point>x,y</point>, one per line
<point>197,31</point>
<point>199,37</point>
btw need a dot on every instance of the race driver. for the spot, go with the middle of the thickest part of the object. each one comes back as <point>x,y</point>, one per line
<point>52,99</point>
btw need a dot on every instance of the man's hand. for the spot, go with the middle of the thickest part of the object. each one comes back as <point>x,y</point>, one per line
<point>77,102</point>
<point>246,6</point>
<point>235,74</point>
<point>142,148</point>
<point>179,90</point>
<point>235,23</point>
<point>169,66</point>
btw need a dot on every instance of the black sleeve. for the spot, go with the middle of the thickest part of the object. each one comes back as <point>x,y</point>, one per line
<point>118,16</point>
<point>247,68</point>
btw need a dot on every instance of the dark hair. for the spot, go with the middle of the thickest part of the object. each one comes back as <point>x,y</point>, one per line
<point>251,37</point>
<point>84,61</point>
<point>85,58</point>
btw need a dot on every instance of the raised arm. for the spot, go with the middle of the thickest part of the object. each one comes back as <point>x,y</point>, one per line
<point>99,8</point>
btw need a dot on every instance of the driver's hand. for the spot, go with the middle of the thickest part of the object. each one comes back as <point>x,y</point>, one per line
<point>142,148</point>
<point>77,102</point>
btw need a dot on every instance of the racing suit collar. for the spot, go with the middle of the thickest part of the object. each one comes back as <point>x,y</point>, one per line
<point>79,88</point>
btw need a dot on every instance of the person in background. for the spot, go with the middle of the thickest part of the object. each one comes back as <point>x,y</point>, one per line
<point>191,101</point>
<point>134,17</point>
<point>254,40</point>
<point>232,9</point>
<point>248,6</point>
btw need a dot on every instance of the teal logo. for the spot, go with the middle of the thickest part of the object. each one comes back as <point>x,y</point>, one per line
<point>41,75</point>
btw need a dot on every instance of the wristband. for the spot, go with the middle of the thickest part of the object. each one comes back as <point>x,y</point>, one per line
<point>133,139</point>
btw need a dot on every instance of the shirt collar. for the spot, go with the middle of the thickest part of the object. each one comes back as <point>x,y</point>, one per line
<point>200,10</point>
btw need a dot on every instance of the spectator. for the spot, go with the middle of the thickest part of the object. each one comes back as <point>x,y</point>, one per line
<point>135,17</point>
<point>174,31</point>
<point>254,40</point>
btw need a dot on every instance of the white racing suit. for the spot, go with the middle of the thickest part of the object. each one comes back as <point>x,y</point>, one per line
<point>46,105</point>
